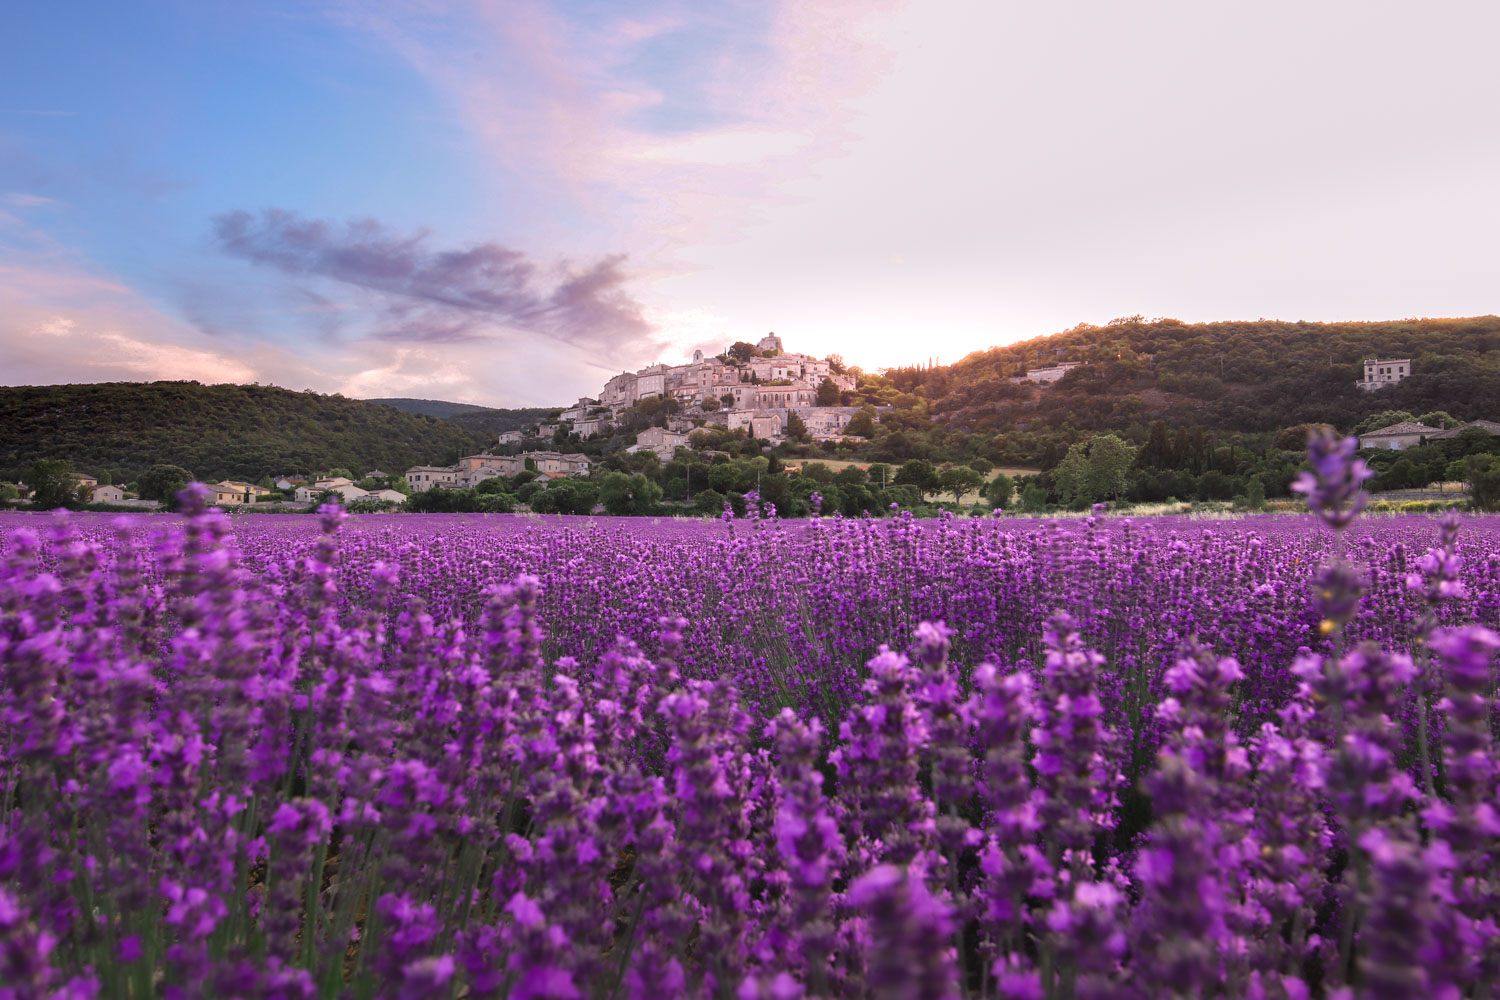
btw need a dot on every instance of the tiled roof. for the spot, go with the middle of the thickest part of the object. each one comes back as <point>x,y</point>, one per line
<point>1404,427</point>
<point>1486,425</point>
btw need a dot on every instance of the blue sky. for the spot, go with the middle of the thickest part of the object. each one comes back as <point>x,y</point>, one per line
<point>505,201</point>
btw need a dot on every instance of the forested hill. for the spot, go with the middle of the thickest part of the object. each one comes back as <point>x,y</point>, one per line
<point>481,419</point>
<point>1233,376</point>
<point>216,431</point>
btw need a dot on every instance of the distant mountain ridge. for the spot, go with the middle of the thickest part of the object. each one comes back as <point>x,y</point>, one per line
<point>472,417</point>
<point>217,431</point>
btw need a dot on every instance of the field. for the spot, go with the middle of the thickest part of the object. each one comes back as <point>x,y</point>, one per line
<point>491,755</point>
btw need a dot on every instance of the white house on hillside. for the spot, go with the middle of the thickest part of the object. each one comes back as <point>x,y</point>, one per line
<point>1381,373</point>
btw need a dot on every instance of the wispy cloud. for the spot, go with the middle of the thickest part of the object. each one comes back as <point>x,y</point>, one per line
<point>445,296</point>
<point>20,199</point>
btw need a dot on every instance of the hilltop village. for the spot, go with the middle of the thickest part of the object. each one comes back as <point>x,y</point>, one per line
<point>761,390</point>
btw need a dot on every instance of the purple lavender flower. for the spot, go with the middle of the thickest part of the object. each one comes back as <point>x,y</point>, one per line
<point>1333,484</point>
<point>908,953</point>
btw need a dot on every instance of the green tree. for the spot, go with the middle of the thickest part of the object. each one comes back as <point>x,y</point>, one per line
<point>818,473</point>
<point>566,496</point>
<point>104,478</point>
<point>741,351</point>
<point>162,482</point>
<point>340,473</point>
<point>1255,493</point>
<point>400,485</point>
<point>53,484</point>
<point>709,502</point>
<point>495,503</point>
<point>1110,458</point>
<point>958,480</point>
<point>851,475</point>
<point>710,403</point>
<point>796,429</point>
<point>920,473</point>
<point>1439,418</point>
<point>906,495</point>
<point>1382,419</point>
<point>998,491</point>
<point>727,477</point>
<point>1034,498</point>
<point>981,465</point>
<point>1482,472</point>
<point>8,492</point>
<point>863,423</point>
<point>1071,475</point>
<point>828,393</point>
<point>624,495</point>
<point>879,475</point>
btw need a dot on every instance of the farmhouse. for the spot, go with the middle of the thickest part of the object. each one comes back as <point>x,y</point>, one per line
<point>230,493</point>
<point>1406,434</point>
<point>107,494</point>
<point>1381,373</point>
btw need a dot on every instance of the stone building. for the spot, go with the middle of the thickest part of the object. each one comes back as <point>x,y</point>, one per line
<point>1381,373</point>
<point>660,440</point>
<point>1406,434</point>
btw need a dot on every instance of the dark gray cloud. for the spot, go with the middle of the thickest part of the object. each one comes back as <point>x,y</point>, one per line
<point>444,296</point>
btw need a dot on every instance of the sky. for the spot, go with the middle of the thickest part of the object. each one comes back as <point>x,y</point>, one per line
<point>506,202</point>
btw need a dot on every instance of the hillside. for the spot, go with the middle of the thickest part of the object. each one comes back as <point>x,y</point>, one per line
<point>1247,377</point>
<point>215,431</point>
<point>480,419</point>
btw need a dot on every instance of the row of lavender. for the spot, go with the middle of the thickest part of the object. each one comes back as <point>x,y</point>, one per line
<point>304,769</point>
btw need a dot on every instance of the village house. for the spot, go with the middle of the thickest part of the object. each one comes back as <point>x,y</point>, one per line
<point>394,496</point>
<point>557,463</point>
<point>1380,373</point>
<point>757,423</point>
<point>591,426</point>
<point>346,490</point>
<point>1406,434</point>
<point>226,494</point>
<point>107,494</point>
<point>578,410</point>
<point>660,440</point>
<point>786,397</point>
<point>512,437</point>
<point>828,421</point>
<point>475,469</point>
<point>471,470</point>
<point>425,477</point>
<point>251,491</point>
<point>287,483</point>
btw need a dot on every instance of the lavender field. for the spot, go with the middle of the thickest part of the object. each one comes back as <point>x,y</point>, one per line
<point>498,756</point>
